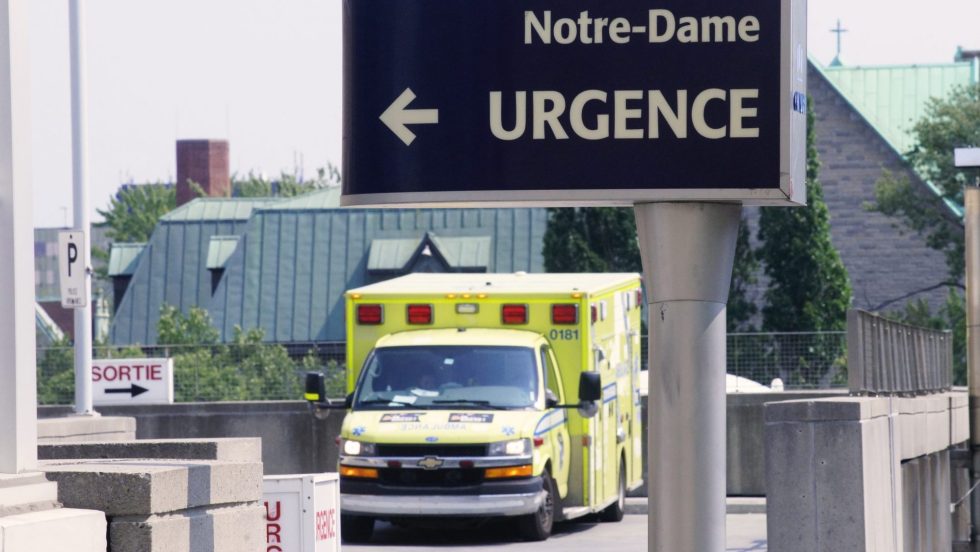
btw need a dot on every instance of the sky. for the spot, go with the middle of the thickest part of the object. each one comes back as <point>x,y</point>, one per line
<point>266,75</point>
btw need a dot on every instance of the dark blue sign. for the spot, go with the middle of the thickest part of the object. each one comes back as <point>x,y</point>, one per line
<point>571,101</point>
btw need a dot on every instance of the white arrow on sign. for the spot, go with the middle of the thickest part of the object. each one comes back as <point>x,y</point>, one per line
<point>396,117</point>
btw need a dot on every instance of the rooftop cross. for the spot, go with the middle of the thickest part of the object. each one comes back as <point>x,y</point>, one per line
<point>839,30</point>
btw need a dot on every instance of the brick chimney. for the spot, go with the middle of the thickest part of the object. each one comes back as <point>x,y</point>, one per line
<point>204,162</point>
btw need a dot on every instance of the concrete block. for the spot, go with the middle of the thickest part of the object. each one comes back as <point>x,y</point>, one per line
<point>85,428</point>
<point>57,530</point>
<point>239,528</point>
<point>937,421</point>
<point>791,480</point>
<point>826,410</point>
<point>141,487</point>
<point>832,484</point>
<point>26,492</point>
<point>229,449</point>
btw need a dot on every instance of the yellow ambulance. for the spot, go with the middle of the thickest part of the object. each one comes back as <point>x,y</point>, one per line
<point>486,395</point>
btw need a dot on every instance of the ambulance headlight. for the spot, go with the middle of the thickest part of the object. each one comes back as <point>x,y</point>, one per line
<point>357,448</point>
<point>516,447</point>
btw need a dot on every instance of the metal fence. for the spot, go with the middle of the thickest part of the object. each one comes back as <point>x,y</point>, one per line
<point>263,371</point>
<point>887,357</point>
<point>225,372</point>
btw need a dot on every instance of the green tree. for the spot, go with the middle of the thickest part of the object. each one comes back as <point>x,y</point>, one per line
<point>134,211</point>
<point>808,288</point>
<point>744,269</point>
<point>288,184</point>
<point>245,368</point>
<point>948,123</point>
<point>808,284</point>
<point>599,239</point>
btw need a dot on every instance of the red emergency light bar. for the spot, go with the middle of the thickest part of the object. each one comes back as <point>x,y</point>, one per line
<point>370,314</point>
<point>514,314</point>
<point>420,314</point>
<point>564,314</point>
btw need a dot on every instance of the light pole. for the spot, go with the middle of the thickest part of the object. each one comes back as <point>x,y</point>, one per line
<point>83,315</point>
<point>966,158</point>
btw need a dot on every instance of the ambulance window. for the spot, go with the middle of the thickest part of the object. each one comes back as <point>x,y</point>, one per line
<point>551,377</point>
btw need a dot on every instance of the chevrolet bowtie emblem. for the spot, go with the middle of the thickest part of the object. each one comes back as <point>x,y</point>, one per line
<point>430,463</point>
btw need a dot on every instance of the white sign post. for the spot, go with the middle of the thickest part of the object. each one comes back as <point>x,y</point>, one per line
<point>118,381</point>
<point>71,269</point>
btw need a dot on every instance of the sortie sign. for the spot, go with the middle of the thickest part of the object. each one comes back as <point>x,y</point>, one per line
<point>573,102</point>
<point>132,381</point>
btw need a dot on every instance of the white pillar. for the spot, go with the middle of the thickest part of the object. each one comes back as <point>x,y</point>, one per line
<point>688,250</point>
<point>83,316</point>
<point>18,387</point>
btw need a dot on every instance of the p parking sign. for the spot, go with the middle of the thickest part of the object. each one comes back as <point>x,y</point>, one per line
<point>71,268</point>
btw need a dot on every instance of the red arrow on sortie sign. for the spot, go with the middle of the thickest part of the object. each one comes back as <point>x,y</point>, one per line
<point>133,390</point>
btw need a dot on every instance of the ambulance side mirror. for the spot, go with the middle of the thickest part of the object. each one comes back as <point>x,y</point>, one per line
<point>316,393</point>
<point>316,389</point>
<point>589,387</point>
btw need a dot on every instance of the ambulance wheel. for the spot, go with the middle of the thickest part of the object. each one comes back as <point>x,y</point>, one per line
<point>355,529</point>
<point>615,511</point>
<point>537,526</point>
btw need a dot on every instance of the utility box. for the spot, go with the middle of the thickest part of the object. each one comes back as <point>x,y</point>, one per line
<point>302,512</point>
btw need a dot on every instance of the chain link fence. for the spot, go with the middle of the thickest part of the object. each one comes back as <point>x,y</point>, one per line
<point>223,372</point>
<point>264,371</point>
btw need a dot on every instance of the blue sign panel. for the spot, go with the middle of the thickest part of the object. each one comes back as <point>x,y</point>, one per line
<point>573,102</point>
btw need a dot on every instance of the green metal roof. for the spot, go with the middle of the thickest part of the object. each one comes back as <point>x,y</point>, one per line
<point>291,268</point>
<point>123,258</point>
<point>393,255</point>
<point>217,208</point>
<point>324,198</point>
<point>219,249</point>
<point>894,97</point>
<point>468,252</point>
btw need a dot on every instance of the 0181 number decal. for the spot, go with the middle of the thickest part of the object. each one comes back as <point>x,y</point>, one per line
<point>564,335</point>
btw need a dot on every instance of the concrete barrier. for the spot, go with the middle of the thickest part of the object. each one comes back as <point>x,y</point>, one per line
<point>861,473</point>
<point>293,440</point>
<point>85,428</point>
<point>197,495</point>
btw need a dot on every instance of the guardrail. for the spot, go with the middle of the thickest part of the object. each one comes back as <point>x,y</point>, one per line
<point>886,357</point>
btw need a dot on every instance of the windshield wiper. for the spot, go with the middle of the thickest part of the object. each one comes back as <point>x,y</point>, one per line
<point>389,402</point>
<point>485,404</point>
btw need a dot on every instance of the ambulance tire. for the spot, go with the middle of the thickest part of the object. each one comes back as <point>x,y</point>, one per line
<point>356,529</point>
<point>537,526</point>
<point>615,511</point>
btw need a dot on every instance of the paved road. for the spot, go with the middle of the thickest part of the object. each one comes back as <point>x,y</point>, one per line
<point>746,533</point>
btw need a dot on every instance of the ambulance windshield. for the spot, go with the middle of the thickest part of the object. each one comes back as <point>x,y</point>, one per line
<point>429,377</point>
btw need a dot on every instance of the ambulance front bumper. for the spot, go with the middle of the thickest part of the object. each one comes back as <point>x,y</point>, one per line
<point>442,505</point>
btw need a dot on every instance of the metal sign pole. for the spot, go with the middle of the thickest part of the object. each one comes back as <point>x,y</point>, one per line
<point>83,315</point>
<point>972,223</point>
<point>688,250</point>
<point>18,387</point>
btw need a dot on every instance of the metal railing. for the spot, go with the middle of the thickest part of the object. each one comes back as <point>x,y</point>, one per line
<point>269,371</point>
<point>888,357</point>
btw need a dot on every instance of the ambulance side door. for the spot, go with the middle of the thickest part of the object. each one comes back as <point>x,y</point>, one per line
<point>557,436</point>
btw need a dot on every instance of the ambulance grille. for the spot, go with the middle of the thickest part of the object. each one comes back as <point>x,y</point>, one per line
<point>442,451</point>
<point>433,478</point>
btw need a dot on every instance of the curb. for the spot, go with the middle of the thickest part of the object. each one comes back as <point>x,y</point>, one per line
<point>734,505</point>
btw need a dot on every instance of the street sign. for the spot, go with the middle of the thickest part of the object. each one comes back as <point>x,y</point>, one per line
<point>71,268</point>
<point>132,381</point>
<point>966,157</point>
<point>574,102</point>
